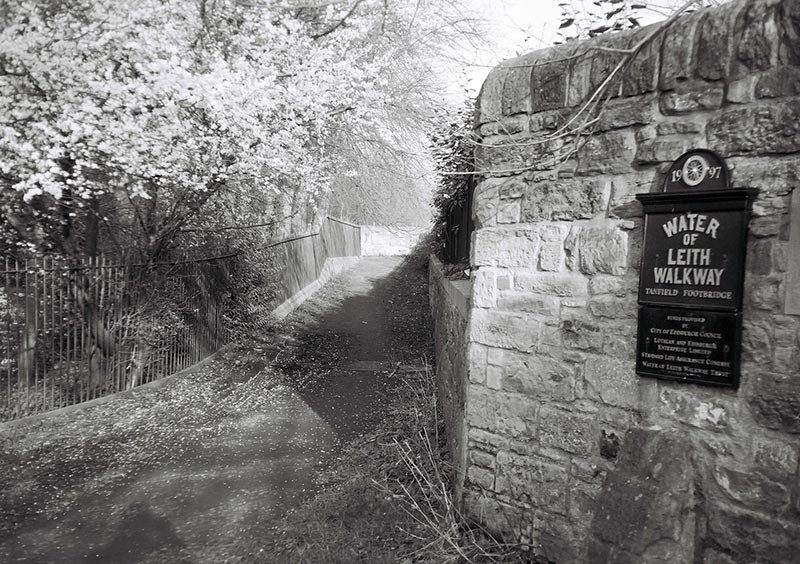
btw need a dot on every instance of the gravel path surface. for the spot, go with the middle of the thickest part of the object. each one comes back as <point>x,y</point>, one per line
<point>190,470</point>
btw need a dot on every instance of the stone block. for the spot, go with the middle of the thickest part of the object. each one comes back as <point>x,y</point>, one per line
<point>698,99</point>
<point>484,207</point>
<point>778,82</point>
<point>623,203</point>
<point>606,284</point>
<point>641,74</point>
<point>500,413</point>
<point>568,431</point>
<point>488,441</point>
<point>607,153</point>
<point>677,52</point>
<point>567,199</point>
<point>538,376</point>
<point>538,304</point>
<point>582,335</point>
<point>512,157</point>
<point>756,129</point>
<point>774,458</point>
<point>512,188</point>
<point>494,377</point>
<point>626,112</point>
<point>517,86</point>
<point>775,401</point>
<point>506,126</point>
<point>549,120</point>
<point>559,539</point>
<point>481,477</point>
<point>538,482</point>
<point>786,330</point>
<point>756,37</point>
<point>759,254</point>
<point>713,44</point>
<point>611,381</point>
<point>752,537</point>
<point>696,408</point>
<point>579,74</point>
<point>752,489</point>
<point>646,510</point>
<point>549,90</point>
<point>766,294</point>
<point>476,363</point>
<point>551,253</point>
<point>484,287</point>
<point>550,283</point>
<point>508,211</point>
<point>742,90</point>
<point>504,282</point>
<point>612,307</point>
<point>482,458</point>
<point>789,33</point>
<point>786,359</point>
<point>680,127</point>
<point>597,249</point>
<point>503,329</point>
<point>620,347</point>
<point>490,98</point>
<point>603,64</point>
<point>662,150</point>
<point>500,518</point>
<point>505,247</point>
<point>757,342</point>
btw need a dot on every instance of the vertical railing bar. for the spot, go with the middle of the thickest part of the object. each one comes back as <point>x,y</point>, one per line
<point>81,303</point>
<point>36,328</point>
<point>61,361</point>
<point>7,343</point>
<point>45,343</point>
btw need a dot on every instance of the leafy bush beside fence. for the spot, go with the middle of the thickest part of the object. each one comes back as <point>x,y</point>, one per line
<point>74,331</point>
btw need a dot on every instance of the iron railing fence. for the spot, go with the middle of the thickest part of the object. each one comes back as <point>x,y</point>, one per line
<point>74,331</point>
<point>458,227</point>
<point>71,332</point>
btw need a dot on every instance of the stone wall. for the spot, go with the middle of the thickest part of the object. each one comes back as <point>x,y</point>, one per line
<point>307,262</point>
<point>568,448</point>
<point>449,309</point>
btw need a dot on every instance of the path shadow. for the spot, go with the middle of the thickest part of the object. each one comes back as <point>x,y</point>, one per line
<point>142,536</point>
<point>355,350</point>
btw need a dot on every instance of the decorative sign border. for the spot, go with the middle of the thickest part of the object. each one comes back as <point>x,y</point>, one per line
<point>698,169</point>
<point>692,274</point>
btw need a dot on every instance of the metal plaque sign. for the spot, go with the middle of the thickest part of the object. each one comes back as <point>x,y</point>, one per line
<point>693,258</point>
<point>689,345</point>
<point>692,274</point>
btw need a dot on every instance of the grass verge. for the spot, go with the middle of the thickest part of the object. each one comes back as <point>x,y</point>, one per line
<point>388,499</point>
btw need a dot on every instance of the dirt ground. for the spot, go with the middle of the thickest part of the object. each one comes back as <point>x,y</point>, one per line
<point>224,464</point>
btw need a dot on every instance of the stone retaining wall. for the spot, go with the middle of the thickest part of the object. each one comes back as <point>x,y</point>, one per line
<point>450,307</point>
<point>307,262</point>
<point>568,448</point>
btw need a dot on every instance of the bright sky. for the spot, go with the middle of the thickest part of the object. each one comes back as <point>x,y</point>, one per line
<point>517,27</point>
<point>521,26</point>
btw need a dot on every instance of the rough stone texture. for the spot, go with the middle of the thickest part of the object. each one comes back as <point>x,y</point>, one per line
<point>450,307</point>
<point>758,128</point>
<point>566,447</point>
<point>646,510</point>
<point>564,200</point>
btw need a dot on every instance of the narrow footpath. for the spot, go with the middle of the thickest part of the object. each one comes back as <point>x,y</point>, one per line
<point>189,470</point>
